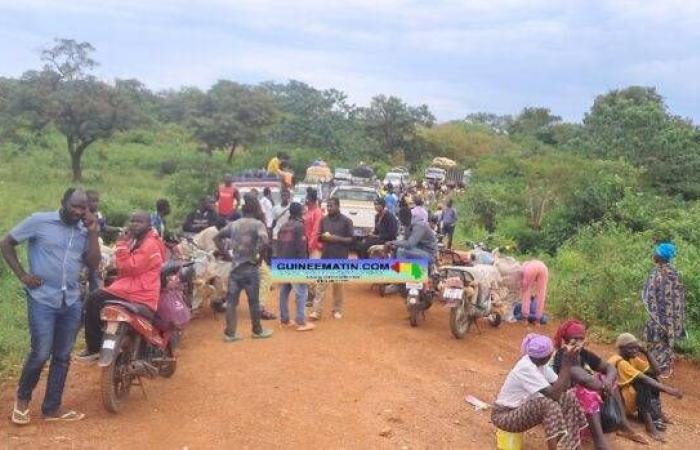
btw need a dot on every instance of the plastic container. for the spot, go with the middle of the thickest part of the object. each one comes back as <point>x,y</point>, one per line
<point>508,441</point>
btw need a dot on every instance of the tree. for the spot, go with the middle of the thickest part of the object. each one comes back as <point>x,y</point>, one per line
<point>535,122</point>
<point>634,124</point>
<point>312,117</point>
<point>395,125</point>
<point>81,107</point>
<point>231,115</point>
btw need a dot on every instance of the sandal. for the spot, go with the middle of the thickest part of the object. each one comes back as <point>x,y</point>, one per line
<point>20,417</point>
<point>68,416</point>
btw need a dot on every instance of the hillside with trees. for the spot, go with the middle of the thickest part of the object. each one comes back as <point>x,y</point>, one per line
<point>587,197</point>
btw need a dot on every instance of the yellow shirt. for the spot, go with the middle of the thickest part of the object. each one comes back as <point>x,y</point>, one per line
<point>627,372</point>
<point>274,165</point>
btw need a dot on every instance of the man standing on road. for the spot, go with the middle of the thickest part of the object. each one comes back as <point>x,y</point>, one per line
<point>337,236</point>
<point>58,244</point>
<point>280,213</point>
<point>291,244</point>
<point>312,226</point>
<point>267,206</point>
<point>228,199</point>
<point>204,217</point>
<point>158,217</point>
<point>248,237</point>
<point>391,200</point>
<point>449,221</point>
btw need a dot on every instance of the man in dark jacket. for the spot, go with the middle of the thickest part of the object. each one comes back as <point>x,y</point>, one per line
<point>201,219</point>
<point>291,244</point>
<point>386,228</point>
<point>421,242</point>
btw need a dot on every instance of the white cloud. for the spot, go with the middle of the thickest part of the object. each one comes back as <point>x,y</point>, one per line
<point>456,55</point>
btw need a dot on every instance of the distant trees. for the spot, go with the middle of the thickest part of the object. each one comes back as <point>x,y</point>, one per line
<point>230,115</point>
<point>83,108</point>
<point>394,124</point>
<point>634,124</point>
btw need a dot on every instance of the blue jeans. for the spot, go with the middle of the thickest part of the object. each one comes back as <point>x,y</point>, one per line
<point>53,332</point>
<point>302,294</point>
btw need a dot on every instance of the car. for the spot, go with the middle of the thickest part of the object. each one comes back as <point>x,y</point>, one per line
<point>342,176</point>
<point>245,183</point>
<point>396,179</point>
<point>299,192</point>
<point>435,174</point>
<point>357,203</point>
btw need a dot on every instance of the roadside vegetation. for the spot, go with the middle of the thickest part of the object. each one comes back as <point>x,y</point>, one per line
<point>586,197</point>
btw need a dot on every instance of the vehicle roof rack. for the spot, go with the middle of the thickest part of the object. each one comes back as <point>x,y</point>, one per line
<point>256,175</point>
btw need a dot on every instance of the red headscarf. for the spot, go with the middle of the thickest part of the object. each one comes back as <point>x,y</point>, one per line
<point>567,330</point>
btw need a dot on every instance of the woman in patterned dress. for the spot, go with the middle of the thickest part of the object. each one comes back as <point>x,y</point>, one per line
<point>664,300</point>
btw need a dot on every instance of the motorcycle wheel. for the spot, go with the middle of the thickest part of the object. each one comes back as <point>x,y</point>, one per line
<point>116,380</point>
<point>413,311</point>
<point>168,370</point>
<point>495,319</point>
<point>460,321</point>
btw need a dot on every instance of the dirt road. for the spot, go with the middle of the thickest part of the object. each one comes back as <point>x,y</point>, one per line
<point>366,381</point>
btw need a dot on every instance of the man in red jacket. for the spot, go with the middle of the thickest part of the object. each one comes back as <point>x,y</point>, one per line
<point>140,254</point>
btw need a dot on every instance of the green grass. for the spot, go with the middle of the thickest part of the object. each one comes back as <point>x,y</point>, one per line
<point>125,170</point>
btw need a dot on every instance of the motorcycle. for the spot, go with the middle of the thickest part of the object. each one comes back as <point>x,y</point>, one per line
<point>139,343</point>
<point>467,298</point>
<point>419,296</point>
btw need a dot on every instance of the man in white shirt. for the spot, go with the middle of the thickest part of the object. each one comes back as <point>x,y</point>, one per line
<point>266,205</point>
<point>280,213</point>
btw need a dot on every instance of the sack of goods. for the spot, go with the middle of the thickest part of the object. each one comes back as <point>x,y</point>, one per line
<point>511,275</point>
<point>319,174</point>
<point>172,308</point>
<point>443,162</point>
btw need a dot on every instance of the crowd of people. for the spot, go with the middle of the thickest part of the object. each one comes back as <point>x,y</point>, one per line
<point>559,382</point>
<point>563,385</point>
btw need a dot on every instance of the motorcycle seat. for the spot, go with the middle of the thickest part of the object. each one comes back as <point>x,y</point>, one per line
<point>136,308</point>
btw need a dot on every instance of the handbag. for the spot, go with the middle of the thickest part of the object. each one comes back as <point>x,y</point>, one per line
<point>610,415</point>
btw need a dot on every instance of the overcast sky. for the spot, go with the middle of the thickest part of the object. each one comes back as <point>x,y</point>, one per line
<point>456,56</point>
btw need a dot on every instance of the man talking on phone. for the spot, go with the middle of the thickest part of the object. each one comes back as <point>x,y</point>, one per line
<point>140,254</point>
<point>58,244</point>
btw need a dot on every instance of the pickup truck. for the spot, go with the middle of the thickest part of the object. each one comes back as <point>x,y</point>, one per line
<point>357,203</point>
<point>247,182</point>
<point>433,174</point>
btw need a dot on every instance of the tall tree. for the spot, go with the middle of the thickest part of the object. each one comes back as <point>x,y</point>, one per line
<point>536,122</point>
<point>232,115</point>
<point>395,124</point>
<point>80,106</point>
<point>634,123</point>
<point>312,117</point>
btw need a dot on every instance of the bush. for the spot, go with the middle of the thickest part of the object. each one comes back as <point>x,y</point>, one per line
<point>599,275</point>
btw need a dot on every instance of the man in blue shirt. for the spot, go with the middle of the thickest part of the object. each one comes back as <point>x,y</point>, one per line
<point>391,200</point>
<point>58,244</point>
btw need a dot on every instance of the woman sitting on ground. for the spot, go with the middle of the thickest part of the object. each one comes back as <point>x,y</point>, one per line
<point>533,394</point>
<point>639,386</point>
<point>592,380</point>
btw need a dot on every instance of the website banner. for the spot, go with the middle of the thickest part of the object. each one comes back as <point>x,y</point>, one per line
<point>392,271</point>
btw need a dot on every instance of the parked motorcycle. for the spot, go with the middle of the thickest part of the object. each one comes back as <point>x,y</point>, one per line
<point>419,296</point>
<point>139,343</point>
<point>467,298</point>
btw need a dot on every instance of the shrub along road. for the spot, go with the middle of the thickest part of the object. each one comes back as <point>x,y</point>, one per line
<point>366,381</point>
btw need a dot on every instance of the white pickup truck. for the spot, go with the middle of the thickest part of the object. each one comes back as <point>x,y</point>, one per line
<point>357,203</point>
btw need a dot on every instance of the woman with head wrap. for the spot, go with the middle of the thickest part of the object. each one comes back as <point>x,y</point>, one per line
<point>592,379</point>
<point>533,394</point>
<point>664,300</point>
<point>637,377</point>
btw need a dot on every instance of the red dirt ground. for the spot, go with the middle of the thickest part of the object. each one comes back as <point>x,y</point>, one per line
<point>366,381</point>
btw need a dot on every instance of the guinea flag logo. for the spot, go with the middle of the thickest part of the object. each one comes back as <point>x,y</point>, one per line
<point>410,268</point>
